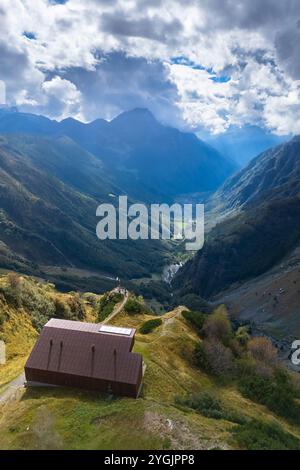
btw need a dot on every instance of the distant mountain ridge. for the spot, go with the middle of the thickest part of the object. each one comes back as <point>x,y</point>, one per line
<point>140,149</point>
<point>243,143</point>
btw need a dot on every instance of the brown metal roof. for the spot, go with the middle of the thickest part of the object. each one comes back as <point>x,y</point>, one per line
<point>76,348</point>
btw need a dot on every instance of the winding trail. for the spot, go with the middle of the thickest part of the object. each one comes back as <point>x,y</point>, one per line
<point>117,309</point>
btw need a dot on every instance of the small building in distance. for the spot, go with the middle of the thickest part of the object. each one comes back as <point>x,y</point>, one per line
<point>86,355</point>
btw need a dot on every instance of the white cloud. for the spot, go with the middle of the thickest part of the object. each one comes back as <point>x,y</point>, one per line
<point>22,98</point>
<point>256,93</point>
<point>253,42</point>
<point>202,100</point>
<point>64,97</point>
<point>282,112</point>
<point>62,90</point>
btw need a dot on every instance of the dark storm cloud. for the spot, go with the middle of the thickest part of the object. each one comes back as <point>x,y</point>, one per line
<point>277,19</point>
<point>150,3</point>
<point>12,62</point>
<point>14,66</point>
<point>150,28</point>
<point>287,46</point>
<point>248,13</point>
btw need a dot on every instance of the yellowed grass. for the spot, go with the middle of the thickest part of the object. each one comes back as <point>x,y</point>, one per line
<point>19,337</point>
<point>73,419</point>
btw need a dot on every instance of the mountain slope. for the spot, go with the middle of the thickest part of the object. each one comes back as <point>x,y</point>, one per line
<point>270,301</point>
<point>166,157</point>
<point>264,206</point>
<point>49,194</point>
<point>139,149</point>
<point>272,174</point>
<point>243,247</point>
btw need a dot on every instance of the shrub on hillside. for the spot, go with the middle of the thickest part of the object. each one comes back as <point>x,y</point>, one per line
<point>39,301</point>
<point>245,366</point>
<point>117,297</point>
<point>62,309</point>
<point>105,312</point>
<point>201,359</point>
<point>256,435</point>
<point>150,325</point>
<point>91,299</point>
<point>12,292</point>
<point>77,307</point>
<point>193,302</point>
<point>277,393</point>
<point>242,335</point>
<point>210,406</point>
<point>33,299</point>
<point>14,281</point>
<point>197,319</point>
<point>133,307</point>
<point>218,326</point>
<point>213,357</point>
<point>262,350</point>
<point>107,304</point>
<point>2,318</point>
<point>71,309</point>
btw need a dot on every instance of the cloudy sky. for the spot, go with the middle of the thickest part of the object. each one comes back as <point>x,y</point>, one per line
<point>194,63</point>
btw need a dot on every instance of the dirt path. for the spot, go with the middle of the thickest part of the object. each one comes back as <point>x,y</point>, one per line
<point>11,390</point>
<point>117,309</point>
<point>170,320</point>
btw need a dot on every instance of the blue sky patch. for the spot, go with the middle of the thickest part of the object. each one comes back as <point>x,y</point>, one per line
<point>29,35</point>
<point>182,60</point>
<point>220,78</point>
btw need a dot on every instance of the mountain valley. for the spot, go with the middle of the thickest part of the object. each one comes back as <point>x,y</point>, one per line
<point>254,220</point>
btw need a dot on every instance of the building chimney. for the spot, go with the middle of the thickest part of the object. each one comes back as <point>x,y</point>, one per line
<point>49,353</point>
<point>93,348</point>
<point>60,354</point>
<point>115,364</point>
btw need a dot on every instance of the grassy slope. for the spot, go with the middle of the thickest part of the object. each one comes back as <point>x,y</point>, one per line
<point>18,332</point>
<point>72,419</point>
<point>19,336</point>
